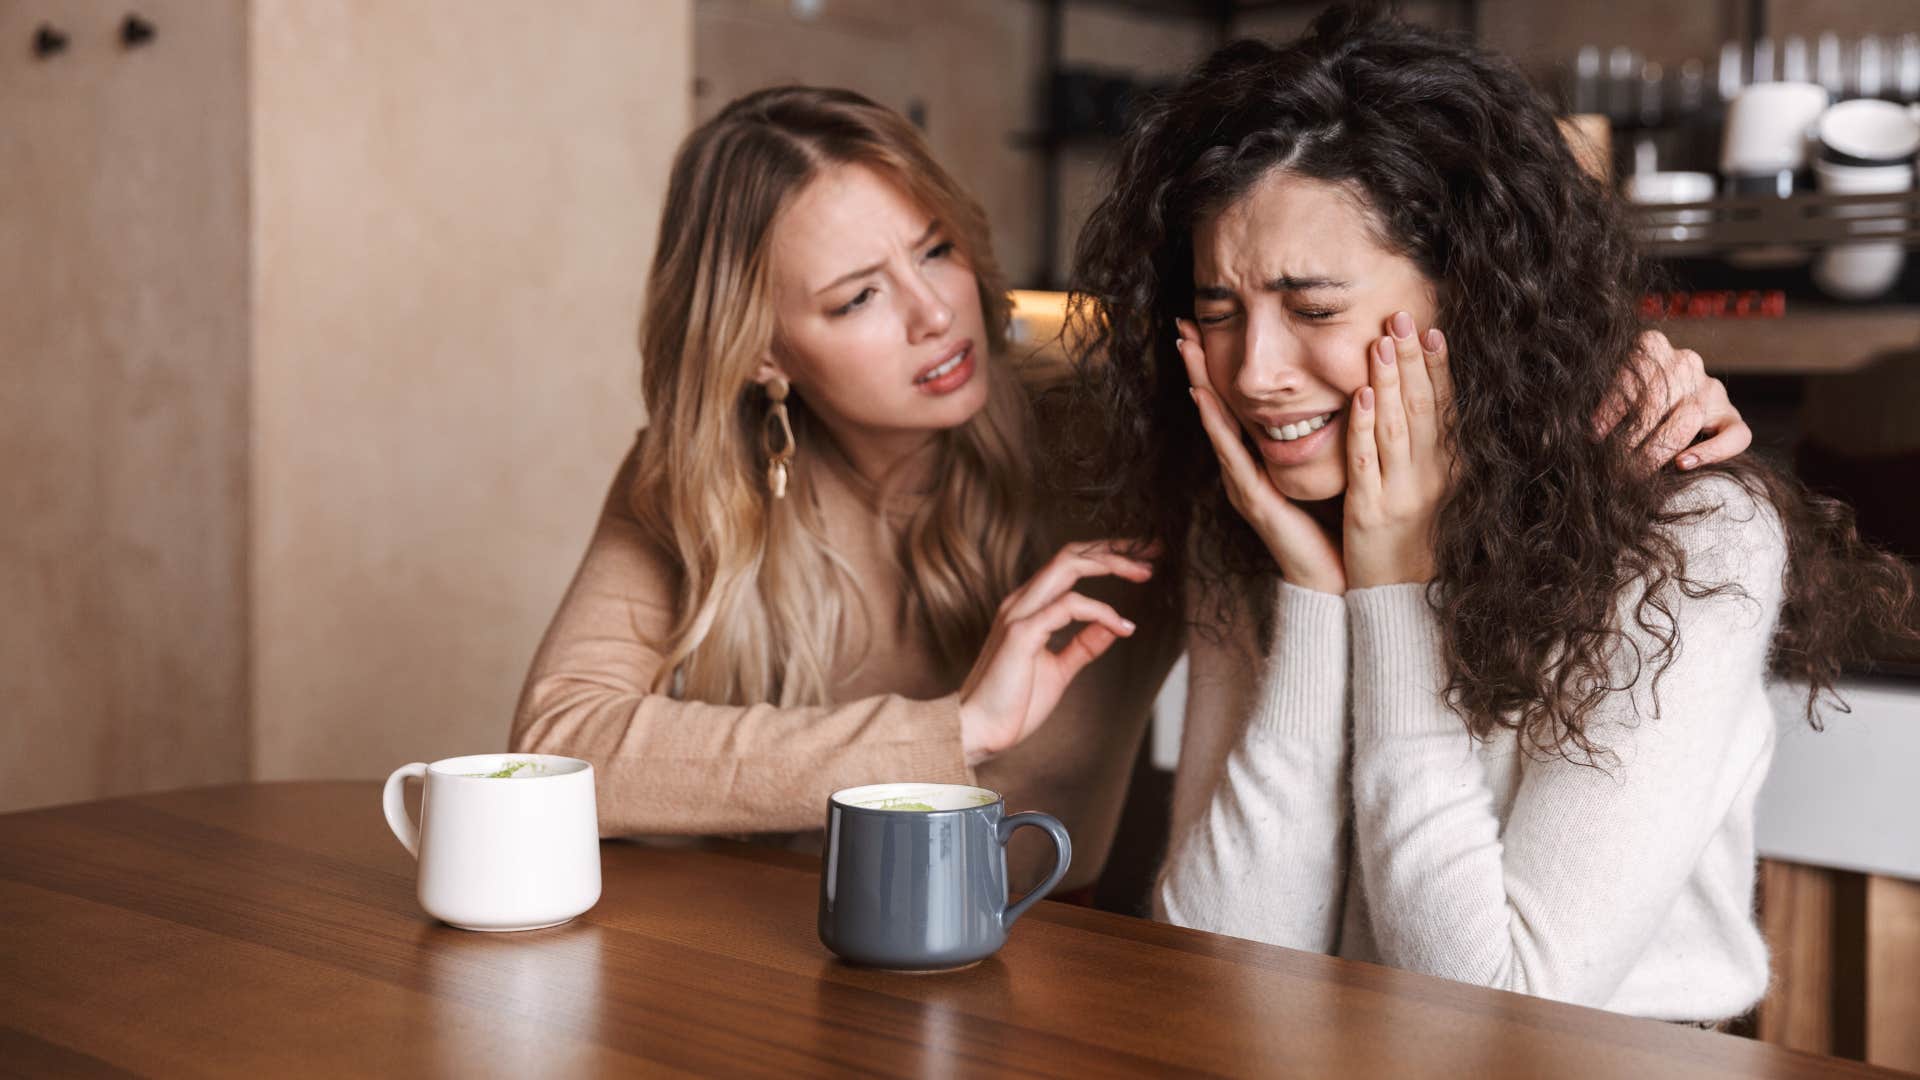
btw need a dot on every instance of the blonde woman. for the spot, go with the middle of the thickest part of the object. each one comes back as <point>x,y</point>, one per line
<point>822,564</point>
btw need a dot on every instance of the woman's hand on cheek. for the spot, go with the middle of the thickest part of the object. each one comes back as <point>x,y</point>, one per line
<point>1306,556</point>
<point>1398,466</point>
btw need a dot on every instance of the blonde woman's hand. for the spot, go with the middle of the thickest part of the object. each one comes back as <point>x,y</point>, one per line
<point>1683,403</point>
<point>1306,555</point>
<point>1019,678</point>
<point>1398,466</point>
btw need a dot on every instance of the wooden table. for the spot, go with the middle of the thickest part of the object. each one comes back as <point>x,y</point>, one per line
<point>270,930</point>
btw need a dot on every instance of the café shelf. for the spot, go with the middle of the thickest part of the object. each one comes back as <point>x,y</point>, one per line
<point>1774,321</point>
<point>1728,225</point>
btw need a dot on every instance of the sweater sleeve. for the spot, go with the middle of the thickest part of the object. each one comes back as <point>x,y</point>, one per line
<point>1565,900</point>
<point>671,766</point>
<point>1258,847</point>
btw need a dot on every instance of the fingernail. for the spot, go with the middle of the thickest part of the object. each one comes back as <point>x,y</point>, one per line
<point>1434,340</point>
<point>1402,325</point>
<point>1366,399</point>
<point>1128,623</point>
<point>1385,351</point>
<point>1688,461</point>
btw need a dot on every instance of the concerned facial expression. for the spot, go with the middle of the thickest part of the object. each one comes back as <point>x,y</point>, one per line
<point>879,318</point>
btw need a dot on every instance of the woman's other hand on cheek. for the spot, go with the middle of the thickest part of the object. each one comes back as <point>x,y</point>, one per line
<point>1398,465</point>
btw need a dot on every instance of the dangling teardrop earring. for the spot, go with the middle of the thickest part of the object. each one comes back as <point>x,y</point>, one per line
<point>780,455</point>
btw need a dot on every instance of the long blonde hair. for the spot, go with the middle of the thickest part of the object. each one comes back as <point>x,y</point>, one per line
<point>766,611</point>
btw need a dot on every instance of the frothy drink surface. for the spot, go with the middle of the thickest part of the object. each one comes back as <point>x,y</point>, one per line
<point>513,770</point>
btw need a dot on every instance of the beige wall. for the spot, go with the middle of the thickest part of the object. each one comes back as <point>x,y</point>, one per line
<point>319,325</point>
<point>454,209</point>
<point>123,263</point>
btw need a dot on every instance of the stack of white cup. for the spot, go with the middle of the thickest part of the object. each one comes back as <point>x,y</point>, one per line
<point>1866,148</point>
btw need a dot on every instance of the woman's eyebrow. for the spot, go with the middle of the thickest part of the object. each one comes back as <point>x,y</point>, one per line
<point>850,275</point>
<point>1289,283</point>
<point>1283,283</point>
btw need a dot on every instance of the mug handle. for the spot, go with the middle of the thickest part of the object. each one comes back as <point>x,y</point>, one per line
<point>1063,846</point>
<point>394,801</point>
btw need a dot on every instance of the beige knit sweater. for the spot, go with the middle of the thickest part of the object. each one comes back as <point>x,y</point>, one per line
<point>1327,800</point>
<point>667,766</point>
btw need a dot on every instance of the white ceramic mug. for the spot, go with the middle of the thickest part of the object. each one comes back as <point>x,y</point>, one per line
<point>1768,127</point>
<point>505,841</point>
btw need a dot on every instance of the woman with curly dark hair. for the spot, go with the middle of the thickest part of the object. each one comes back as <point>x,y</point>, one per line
<point>1475,692</point>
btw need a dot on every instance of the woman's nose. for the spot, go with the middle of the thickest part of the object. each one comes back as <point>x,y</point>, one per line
<point>930,316</point>
<point>1272,363</point>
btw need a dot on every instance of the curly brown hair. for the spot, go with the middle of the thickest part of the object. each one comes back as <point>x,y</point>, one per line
<point>1547,528</point>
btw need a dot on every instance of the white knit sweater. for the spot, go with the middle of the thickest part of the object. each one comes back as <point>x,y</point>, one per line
<point>1328,800</point>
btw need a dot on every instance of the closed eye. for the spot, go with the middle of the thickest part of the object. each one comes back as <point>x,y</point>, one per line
<point>1214,319</point>
<point>1316,314</point>
<point>858,301</point>
<point>940,250</point>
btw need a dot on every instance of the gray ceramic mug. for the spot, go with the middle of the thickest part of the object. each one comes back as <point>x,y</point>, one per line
<point>916,874</point>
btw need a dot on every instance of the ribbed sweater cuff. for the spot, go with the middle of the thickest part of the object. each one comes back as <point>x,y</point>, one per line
<point>941,758</point>
<point>1306,685</point>
<point>1397,668</point>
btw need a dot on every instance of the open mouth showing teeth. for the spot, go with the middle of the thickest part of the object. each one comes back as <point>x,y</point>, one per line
<point>1299,429</point>
<point>946,366</point>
